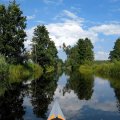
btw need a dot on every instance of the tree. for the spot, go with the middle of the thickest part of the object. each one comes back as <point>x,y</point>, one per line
<point>12,34</point>
<point>85,50</point>
<point>79,53</point>
<point>44,51</point>
<point>115,53</point>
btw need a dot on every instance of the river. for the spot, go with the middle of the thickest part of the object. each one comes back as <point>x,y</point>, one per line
<point>81,97</point>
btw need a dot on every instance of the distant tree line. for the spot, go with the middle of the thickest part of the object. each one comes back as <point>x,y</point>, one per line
<point>82,53</point>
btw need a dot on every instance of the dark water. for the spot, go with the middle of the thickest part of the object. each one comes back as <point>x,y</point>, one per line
<point>81,97</point>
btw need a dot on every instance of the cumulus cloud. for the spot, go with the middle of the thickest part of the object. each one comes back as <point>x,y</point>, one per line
<point>107,29</point>
<point>101,55</point>
<point>71,27</point>
<point>69,32</point>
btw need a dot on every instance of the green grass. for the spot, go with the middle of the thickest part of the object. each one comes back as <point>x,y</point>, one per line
<point>24,72</point>
<point>107,68</point>
<point>85,69</point>
<point>17,73</point>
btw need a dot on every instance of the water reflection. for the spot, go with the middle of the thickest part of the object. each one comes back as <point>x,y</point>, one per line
<point>81,84</point>
<point>42,91</point>
<point>84,97</point>
<point>11,103</point>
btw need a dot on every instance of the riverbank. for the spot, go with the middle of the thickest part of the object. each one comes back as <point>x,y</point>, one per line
<point>19,72</point>
<point>105,68</point>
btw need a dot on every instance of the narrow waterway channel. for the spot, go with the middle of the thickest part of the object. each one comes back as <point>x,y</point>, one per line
<point>81,97</point>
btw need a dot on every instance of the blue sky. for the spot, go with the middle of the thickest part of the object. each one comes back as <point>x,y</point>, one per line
<point>69,20</point>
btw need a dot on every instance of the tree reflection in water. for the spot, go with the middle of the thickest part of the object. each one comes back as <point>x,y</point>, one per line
<point>115,84</point>
<point>42,91</point>
<point>81,84</point>
<point>11,103</point>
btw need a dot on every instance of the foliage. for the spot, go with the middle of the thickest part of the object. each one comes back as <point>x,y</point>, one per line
<point>49,69</point>
<point>3,66</point>
<point>35,69</point>
<point>115,53</point>
<point>79,54</point>
<point>44,51</point>
<point>85,50</point>
<point>108,68</point>
<point>18,73</point>
<point>85,69</point>
<point>12,34</point>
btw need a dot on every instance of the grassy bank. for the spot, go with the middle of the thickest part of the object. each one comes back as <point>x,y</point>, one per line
<point>19,72</point>
<point>107,68</point>
<point>24,72</point>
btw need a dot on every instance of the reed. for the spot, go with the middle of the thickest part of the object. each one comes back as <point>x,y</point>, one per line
<point>107,68</point>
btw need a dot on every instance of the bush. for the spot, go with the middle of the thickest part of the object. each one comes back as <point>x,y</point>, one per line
<point>35,69</point>
<point>85,69</point>
<point>18,73</point>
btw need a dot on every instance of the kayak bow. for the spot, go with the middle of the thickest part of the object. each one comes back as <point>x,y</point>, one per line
<point>56,113</point>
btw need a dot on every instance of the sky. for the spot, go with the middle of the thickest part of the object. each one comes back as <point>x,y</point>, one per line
<point>69,20</point>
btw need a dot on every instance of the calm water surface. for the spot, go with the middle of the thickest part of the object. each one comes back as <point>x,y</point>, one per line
<point>81,97</point>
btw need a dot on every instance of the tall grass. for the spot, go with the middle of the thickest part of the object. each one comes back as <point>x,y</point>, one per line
<point>18,73</point>
<point>35,69</point>
<point>85,69</point>
<point>21,72</point>
<point>107,68</point>
<point>112,69</point>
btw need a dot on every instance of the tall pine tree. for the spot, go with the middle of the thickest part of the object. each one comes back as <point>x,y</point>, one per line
<point>12,34</point>
<point>44,50</point>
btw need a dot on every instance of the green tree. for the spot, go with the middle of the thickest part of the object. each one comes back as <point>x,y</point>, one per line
<point>12,34</point>
<point>44,51</point>
<point>115,53</point>
<point>80,53</point>
<point>85,50</point>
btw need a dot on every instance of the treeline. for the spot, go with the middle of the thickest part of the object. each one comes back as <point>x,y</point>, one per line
<point>13,36</point>
<point>81,56</point>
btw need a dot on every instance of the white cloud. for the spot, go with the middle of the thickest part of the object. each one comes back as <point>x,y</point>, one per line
<point>69,32</point>
<point>30,17</point>
<point>29,33</point>
<point>53,1</point>
<point>107,29</point>
<point>101,55</point>
<point>71,28</point>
